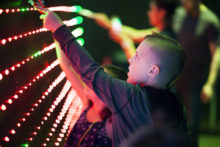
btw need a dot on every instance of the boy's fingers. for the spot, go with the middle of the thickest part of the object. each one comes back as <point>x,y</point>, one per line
<point>41,9</point>
<point>42,16</point>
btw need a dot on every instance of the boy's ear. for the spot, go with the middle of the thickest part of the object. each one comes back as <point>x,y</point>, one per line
<point>154,71</point>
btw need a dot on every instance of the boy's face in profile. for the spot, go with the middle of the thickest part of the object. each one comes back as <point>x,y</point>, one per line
<point>140,64</point>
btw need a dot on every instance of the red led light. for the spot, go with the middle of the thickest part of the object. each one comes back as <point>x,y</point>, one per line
<point>34,133</point>
<point>6,139</point>
<point>10,101</point>
<point>3,41</point>
<point>15,96</point>
<point>1,76</point>
<point>3,107</point>
<point>7,10</point>
<point>6,72</point>
<point>18,125</point>
<point>12,131</point>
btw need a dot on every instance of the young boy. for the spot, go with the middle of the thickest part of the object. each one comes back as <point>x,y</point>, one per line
<point>156,64</point>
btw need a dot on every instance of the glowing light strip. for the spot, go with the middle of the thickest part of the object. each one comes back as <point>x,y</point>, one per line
<point>58,99</point>
<point>68,119</point>
<point>14,67</point>
<point>76,114</point>
<point>58,8</point>
<point>28,85</point>
<point>7,11</point>
<point>16,37</point>
<point>74,21</point>
<point>66,8</point>
<point>77,32</point>
<point>39,101</point>
<point>71,96</point>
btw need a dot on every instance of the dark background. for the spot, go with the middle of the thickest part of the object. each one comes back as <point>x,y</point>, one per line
<point>97,42</point>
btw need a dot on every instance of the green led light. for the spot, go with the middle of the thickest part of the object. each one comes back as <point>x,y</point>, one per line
<point>77,8</point>
<point>80,41</point>
<point>22,9</point>
<point>79,19</point>
<point>25,145</point>
<point>78,32</point>
<point>37,54</point>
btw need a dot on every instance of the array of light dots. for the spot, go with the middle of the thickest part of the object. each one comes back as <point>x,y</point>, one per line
<point>59,98</point>
<point>16,37</point>
<point>7,11</point>
<point>40,100</point>
<point>57,8</point>
<point>70,97</point>
<point>78,111</point>
<point>29,84</point>
<point>72,110</point>
<point>72,22</point>
<point>6,72</point>
<point>66,8</point>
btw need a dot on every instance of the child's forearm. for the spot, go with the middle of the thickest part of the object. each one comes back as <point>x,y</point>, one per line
<point>76,82</point>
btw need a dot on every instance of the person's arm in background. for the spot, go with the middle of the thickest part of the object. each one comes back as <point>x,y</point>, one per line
<point>125,42</point>
<point>136,35</point>
<point>72,76</point>
<point>208,90</point>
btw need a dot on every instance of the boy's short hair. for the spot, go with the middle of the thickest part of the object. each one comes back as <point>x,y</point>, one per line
<point>168,5</point>
<point>170,53</point>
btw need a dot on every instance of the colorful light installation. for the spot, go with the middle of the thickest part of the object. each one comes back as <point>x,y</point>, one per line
<point>16,37</point>
<point>7,11</point>
<point>75,106</point>
<point>72,22</point>
<point>50,111</point>
<point>29,84</point>
<point>40,100</point>
<point>13,68</point>
<point>68,101</point>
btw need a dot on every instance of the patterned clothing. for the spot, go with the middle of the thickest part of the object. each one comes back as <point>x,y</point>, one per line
<point>96,136</point>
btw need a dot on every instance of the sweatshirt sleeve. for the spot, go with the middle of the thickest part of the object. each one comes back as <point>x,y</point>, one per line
<point>113,92</point>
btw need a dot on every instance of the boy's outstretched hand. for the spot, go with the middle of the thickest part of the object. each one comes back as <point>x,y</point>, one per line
<point>51,20</point>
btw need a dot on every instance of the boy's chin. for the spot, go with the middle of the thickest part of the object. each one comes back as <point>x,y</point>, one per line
<point>130,81</point>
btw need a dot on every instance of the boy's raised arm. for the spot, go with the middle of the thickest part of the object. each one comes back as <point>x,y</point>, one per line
<point>113,92</point>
